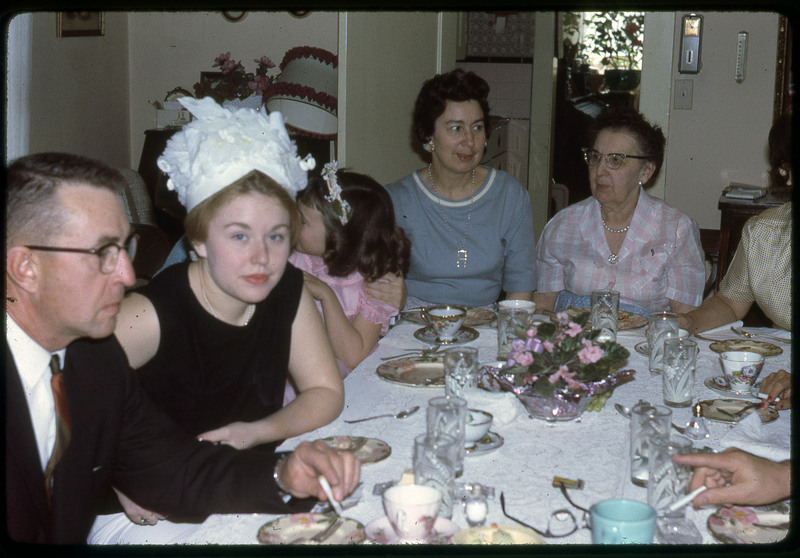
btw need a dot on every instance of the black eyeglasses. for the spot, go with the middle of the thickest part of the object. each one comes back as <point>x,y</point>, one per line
<point>613,160</point>
<point>107,254</point>
<point>562,522</point>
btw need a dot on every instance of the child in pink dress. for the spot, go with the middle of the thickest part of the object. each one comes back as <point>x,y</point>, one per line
<point>349,237</point>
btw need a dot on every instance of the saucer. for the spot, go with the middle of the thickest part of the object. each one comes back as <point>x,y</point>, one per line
<point>750,525</point>
<point>498,534</point>
<point>760,347</point>
<point>642,348</point>
<point>476,316</point>
<point>488,443</point>
<point>463,335</point>
<point>720,385</point>
<point>380,531</point>
<point>414,371</point>
<point>720,410</point>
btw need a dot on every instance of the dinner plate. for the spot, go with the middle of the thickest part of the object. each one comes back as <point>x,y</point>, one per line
<point>720,385</point>
<point>414,371</point>
<point>292,529</point>
<point>642,348</point>
<point>463,335</point>
<point>380,531</point>
<point>498,534</point>
<point>488,443</point>
<point>625,320</point>
<point>368,450</point>
<point>476,316</point>
<point>750,525</point>
<point>761,347</point>
<point>712,410</point>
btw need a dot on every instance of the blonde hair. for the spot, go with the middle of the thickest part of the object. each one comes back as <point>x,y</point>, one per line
<point>196,222</point>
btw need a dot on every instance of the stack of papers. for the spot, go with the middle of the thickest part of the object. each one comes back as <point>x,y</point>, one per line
<point>744,191</point>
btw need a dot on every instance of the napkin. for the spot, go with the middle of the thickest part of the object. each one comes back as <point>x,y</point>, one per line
<point>764,440</point>
<point>502,405</point>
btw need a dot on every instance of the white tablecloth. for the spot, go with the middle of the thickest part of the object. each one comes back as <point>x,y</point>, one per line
<point>595,448</point>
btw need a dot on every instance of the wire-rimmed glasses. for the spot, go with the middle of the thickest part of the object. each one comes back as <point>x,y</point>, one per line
<point>107,254</point>
<point>613,160</point>
<point>561,523</point>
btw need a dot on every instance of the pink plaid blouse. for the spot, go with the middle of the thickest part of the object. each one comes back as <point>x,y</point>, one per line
<point>661,257</point>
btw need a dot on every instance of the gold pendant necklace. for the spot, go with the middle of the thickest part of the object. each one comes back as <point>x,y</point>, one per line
<point>461,253</point>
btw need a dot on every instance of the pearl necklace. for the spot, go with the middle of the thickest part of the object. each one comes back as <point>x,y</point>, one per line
<point>612,259</point>
<point>250,307</point>
<point>461,253</point>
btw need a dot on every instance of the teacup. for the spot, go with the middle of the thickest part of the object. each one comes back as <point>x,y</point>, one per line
<point>741,369</point>
<point>445,320</point>
<point>478,424</point>
<point>412,510</point>
<point>622,522</point>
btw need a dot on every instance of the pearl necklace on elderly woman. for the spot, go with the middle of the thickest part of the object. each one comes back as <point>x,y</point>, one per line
<point>461,253</point>
<point>250,307</point>
<point>612,259</point>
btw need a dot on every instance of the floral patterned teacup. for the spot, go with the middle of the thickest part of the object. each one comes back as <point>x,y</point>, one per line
<point>741,369</point>
<point>412,510</point>
<point>445,320</point>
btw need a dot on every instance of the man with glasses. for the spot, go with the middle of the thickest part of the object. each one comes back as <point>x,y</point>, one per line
<point>77,422</point>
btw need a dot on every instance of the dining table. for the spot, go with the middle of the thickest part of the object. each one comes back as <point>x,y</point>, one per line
<point>527,452</point>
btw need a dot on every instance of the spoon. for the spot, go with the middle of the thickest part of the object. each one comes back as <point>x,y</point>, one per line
<point>422,353</point>
<point>401,415</point>
<point>623,410</point>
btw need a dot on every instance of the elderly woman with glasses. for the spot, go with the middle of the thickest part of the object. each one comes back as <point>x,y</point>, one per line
<point>621,238</point>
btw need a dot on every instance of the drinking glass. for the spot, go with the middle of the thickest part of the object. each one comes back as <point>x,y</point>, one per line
<point>668,482</point>
<point>660,326</point>
<point>460,370</point>
<point>433,466</point>
<point>648,424</point>
<point>448,416</point>
<point>680,360</point>
<point>605,307</point>
<point>512,317</point>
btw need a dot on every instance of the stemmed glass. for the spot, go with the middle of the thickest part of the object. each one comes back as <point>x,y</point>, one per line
<point>668,482</point>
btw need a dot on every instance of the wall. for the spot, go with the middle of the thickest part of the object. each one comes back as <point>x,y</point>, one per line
<point>170,49</point>
<point>79,90</point>
<point>723,137</point>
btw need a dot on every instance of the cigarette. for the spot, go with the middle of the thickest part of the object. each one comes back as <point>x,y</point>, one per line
<point>686,499</point>
<point>337,507</point>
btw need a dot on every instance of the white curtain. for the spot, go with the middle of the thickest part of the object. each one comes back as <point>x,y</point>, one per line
<point>18,82</point>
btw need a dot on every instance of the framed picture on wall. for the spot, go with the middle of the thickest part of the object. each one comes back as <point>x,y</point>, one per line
<point>79,24</point>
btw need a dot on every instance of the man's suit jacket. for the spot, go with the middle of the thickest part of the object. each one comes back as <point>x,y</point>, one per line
<point>119,438</point>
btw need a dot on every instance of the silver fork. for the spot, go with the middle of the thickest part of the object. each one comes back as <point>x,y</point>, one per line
<point>749,335</point>
<point>422,352</point>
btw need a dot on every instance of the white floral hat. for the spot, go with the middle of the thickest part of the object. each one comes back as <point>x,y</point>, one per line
<point>222,145</point>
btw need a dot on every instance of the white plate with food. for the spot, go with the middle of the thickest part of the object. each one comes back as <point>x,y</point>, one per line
<point>298,528</point>
<point>731,411</point>
<point>750,525</point>
<point>498,534</point>
<point>414,371</point>
<point>368,450</point>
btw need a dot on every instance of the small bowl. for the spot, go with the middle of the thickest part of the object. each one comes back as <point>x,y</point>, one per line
<point>477,426</point>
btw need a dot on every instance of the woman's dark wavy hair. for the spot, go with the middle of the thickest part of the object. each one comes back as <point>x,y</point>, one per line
<point>780,153</point>
<point>649,138</point>
<point>457,86</point>
<point>370,242</point>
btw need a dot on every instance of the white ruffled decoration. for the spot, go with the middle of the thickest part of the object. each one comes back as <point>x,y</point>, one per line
<point>222,145</point>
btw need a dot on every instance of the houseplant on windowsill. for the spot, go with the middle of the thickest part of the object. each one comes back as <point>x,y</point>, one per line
<point>556,368</point>
<point>618,40</point>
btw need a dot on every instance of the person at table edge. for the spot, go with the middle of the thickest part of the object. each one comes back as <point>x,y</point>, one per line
<point>64,303</point>
<point>470,226</point>
<point>621,238</point>
<point>761,269</point>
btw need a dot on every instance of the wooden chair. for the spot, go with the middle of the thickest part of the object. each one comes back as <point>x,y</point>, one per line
<point>710,240</point>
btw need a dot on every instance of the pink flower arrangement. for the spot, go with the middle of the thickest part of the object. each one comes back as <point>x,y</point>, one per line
<point>236,82</point>
<point>565,352</point>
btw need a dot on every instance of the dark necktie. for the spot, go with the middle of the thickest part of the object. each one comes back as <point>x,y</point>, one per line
<point>63,424</point>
